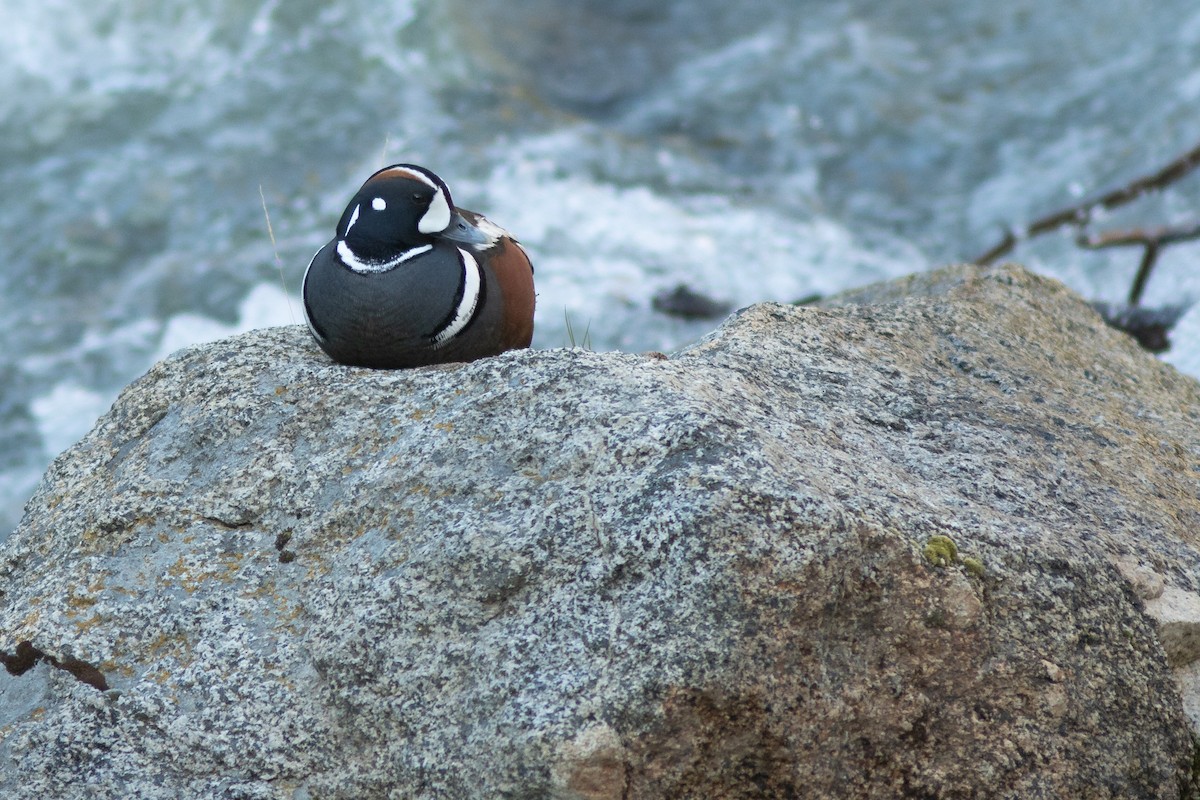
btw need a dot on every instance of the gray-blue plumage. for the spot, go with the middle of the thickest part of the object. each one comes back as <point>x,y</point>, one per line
<point>377,314</point>
<point>410,280</point>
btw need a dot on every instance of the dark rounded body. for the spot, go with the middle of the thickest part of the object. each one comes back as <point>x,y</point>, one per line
<point>457,294</point>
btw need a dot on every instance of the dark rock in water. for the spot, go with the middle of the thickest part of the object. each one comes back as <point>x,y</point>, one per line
<point>1149,326</point>
<point>686,303</point>
<point>941,546</point>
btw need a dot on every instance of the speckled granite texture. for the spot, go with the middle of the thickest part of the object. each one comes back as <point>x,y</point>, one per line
<point>597,575</point>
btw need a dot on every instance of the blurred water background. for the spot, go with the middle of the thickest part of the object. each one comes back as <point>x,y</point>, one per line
<point>757,150</point>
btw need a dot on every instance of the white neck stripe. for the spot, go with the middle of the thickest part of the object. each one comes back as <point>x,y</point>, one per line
<point>472,279</point>
<point>363,266</point>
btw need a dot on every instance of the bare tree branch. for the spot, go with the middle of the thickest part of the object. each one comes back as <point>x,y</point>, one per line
<point>1152,240</point>
<point>1081,213</point>
<point>1168,234</point>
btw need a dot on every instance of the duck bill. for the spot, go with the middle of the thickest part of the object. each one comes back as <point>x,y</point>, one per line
<point>463,229</point>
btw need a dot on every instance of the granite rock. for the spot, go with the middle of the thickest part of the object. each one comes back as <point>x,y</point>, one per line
<point>566,574</point>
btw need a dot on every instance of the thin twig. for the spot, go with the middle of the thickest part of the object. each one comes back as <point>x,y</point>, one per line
<point>1167,234</point>
<point>1081,213</point>
<point>1152,240</point>
<point>1149,257</point>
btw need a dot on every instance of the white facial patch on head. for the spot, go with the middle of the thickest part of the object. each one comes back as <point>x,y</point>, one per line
<point>379,204</point>
<point>350,224</point>
<point>437,218</point>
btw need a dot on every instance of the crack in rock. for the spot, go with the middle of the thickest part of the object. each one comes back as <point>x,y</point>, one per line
<point>25,657</point>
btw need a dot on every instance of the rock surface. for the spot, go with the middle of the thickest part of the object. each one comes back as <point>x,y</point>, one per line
<point>599,575</point>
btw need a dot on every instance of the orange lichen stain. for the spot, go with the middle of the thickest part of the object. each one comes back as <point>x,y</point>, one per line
<point>111,667</point>
<point>790,586</point>
<point>277,610</point>
<point>163,538</point>
<point>444,426</point>
<point>279,390</point>
<point>178,568</point>
<point>285,682</point>
<point>231,563</point>
<point>418,414</point>
<point>264,589</point>
<point>73,614</point>
<point>37,713</point>
<point>191,577</point>
<point>276,673</point>
<point>287,612</point>
<point>81,601</point>
<point>317,569</point>
<point>95,621</point>
<point>163,642</point>
<point>159,676</point>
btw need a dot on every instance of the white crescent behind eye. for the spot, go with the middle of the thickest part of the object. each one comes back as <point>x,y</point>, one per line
<point>437,217</point>
<point>350,224</point>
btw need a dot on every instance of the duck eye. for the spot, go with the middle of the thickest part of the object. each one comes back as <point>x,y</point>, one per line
<point>421,199</point>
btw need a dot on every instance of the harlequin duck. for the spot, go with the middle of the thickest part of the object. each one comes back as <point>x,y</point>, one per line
<point>411,280</point>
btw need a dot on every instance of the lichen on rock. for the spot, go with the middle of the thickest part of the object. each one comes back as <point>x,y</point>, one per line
<point>940,551</point>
